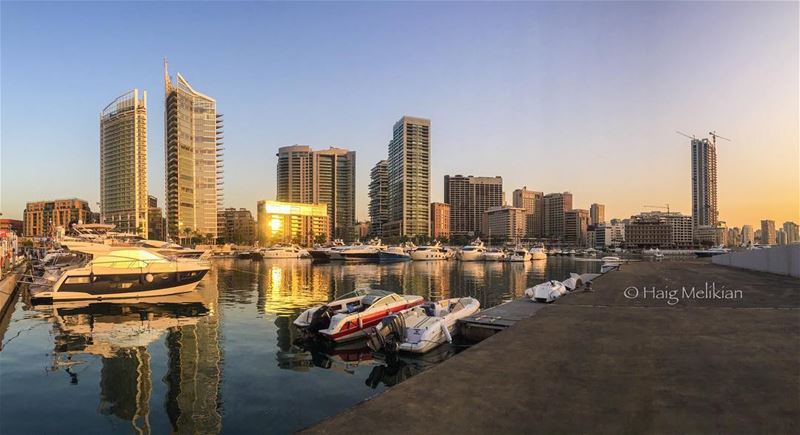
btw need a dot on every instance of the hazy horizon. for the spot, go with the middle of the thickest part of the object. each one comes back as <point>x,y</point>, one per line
<point>580,97</point>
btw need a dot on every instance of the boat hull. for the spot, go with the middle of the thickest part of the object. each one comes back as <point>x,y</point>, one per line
<point>121,286</point>
<point>470,256</point>
<point>389,257</point>
<point>428,256</point>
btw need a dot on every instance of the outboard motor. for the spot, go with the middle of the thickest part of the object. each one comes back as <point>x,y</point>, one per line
<point>321,319</point>
<point>388,334</point>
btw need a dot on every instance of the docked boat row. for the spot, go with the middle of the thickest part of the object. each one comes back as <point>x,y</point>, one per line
<point>477,251</point>
<point>391,322</point>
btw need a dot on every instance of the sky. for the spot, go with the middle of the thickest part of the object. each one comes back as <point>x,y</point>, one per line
<point>580,97</point>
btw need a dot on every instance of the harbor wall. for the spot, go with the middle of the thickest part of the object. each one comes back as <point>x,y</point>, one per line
<point>781,260</point>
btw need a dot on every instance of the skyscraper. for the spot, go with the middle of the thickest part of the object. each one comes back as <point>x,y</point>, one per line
<point>704,183</point>
<point>792,232</point>
<point>533,203</point>
<point>469,197</point>
<point>555,206</point>
<point>597,214</point>
<point>768,232</point>
<point>748,238</point>
<point>378,198</point>
<point>440,220</point>
<point>321,177</point>
<point>123,163</point>
<point>409,170</point>
<point>576,224</point>
<point>193,146</point>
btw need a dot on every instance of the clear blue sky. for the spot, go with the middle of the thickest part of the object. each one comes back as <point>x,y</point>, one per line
<point>583,97</point>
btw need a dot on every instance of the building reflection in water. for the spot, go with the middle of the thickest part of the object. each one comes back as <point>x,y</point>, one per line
<point>120,332</point>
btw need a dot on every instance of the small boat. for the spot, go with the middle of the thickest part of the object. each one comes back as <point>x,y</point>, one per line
<point>122,273</point>
<point>473,252</point>
<point>554,252</point>
<point>348,318</point>
<point>257,255</point>
<point>712,252</point>
<point>591,252</point>
<point>244,255</point>
<point>430,252</point>
<point>546,292</point>
<point>495,255</point>
<point>422,328</point>
<point>282,251</point>
<point>393,253</point>
<point>538,253</point>
<point>519,255</point>
<point>609,264</point>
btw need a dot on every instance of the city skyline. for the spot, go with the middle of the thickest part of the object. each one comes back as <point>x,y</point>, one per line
<point>758,117</point>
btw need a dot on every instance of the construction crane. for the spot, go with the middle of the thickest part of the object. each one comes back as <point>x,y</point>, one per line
<point>684,134</point>
<point>658,206</point>
<point>714,135</point>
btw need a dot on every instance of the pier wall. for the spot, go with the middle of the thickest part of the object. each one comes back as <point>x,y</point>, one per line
<point>781,260</point>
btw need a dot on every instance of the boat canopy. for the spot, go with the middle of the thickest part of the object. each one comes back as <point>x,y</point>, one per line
<point>128,259</point>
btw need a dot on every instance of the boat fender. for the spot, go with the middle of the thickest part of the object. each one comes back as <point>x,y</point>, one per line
<point>148,277</point>
<point>446,332</point>
<point>360,323</point>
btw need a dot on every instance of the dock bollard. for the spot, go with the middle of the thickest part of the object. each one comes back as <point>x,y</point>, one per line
<point>588,287</point>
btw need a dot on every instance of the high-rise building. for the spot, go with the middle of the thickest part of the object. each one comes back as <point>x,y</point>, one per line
<point>362,230</point>
<point>555,206</point>
<point>321,177</point>
<point>409,170</point>
<point>440,220</point>
<point>704,183</point>
<point>792,232</point>
<point>123,163</point>
<point>469,197</point>
<point>768,232</point>
<point>292,222</point>
<point>236,226</point>
<point>609,234</point>
<point>659,229</point>
<point>576,225</point>
<point>156,224</point>
<point>533,203</point>
<point>13,225</point>
<point>378,198</point>
<point>597,214</point>
<point>193,139</point>
<point>504,223</point>
<point>42,218</point>
<point>734,237</point>
<point>780,237</point>
<point>748,237</point>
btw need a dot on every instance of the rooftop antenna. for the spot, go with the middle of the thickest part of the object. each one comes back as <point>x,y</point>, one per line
<point>167,84</point>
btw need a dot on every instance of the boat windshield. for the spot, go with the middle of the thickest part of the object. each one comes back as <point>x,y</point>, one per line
<point>128,258</point>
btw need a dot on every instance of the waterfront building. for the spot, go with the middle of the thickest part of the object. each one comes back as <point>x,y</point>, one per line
<point>43,218</point>
<point>533,203</point>
<point>378,198</point>
<point>362,230</point>
<point>123,163</point>
<point>409,169</point>
<point>504,223</point>
<point>597,214</point>
<point>792,232</point>
<point>555,207</point>
<point>156,223</point>
<point>712,235</point>
<point>757,236</point>
<point>734,237</point>
<point>292,222</point>
<point>320,177</point>
<point>440,220</point>
<point>469,197</point>
<point>193,142</point>
<point>748,237</point>
<point>12,225</point>
<point>659,229</point>
<point>576,224</point>
<point>704,183</point>
<point>609,234</point>
<point>768,232</point>
<point>236,226</point>
<point>780,237</point>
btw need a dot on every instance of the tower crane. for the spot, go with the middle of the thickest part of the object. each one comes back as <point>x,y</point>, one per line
<point>714,135</point>
<point>684,134</point>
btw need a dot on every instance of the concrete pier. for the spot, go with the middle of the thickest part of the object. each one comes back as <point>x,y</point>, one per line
<point>623,359</point>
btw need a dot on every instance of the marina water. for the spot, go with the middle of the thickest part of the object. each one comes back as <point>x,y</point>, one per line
<point>224,359</point>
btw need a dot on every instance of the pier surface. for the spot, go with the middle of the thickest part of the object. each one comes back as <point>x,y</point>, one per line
<point>604,362</point>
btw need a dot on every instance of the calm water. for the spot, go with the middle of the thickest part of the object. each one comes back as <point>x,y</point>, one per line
<point>223,359</point>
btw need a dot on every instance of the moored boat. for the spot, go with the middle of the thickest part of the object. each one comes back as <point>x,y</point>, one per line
<point>473,252</point>
<point>495,255</point>
<point>519,254</point>
<point>348,318</point>
<point>422,328</point>
<point>368,252</point>
<point>282,251</point>
<point>430,252</point>
<point>546,292</point>
<point>538,253</point>
<point>393,253</point>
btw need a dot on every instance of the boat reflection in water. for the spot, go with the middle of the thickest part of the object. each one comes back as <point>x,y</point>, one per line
<point>121,333</point>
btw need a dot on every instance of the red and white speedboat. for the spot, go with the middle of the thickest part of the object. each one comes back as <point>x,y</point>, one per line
<point>349,318</point>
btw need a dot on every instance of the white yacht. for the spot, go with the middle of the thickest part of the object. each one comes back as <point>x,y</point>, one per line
<point>282,251</point>
<point>538,253</point>
<point>368,252</point>
<point>122,273</point>
<point>430,252</point>
<point>519,254</point>
<point>473,252</point>
<point>495,255</point>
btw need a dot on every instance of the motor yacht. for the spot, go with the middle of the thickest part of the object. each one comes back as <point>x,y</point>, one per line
<point>430,252</point>
<point>282,251</point>
<point>712,251</point>
<point>495,255</point>
<point>348,318</point>
<point>519,254</point>
<point>393,253</point>
<point>122,273</point>
<point>422,328</point>
<point>473,252</point>
<point>538,253</point>
<point>368,252</point>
